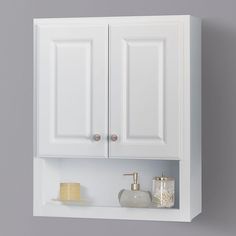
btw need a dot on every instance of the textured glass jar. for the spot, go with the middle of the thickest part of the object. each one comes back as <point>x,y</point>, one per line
<point>163,192</point>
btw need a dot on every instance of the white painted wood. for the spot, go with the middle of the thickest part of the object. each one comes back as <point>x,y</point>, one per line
<point>146,74</point>
<point>195,116</point>
<point>112,19</point>
<point>38,186</point>
<point>48,172</point>
<point>190,164</point>
<point>55,210</point>
<point>71,81</point>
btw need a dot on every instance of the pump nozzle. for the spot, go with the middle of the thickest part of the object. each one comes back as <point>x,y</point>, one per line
<point>134,186</point>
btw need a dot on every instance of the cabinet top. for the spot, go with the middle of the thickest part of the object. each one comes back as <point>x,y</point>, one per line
<point>116,19</point>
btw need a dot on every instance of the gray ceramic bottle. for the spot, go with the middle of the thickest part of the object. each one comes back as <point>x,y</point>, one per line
<point>134,197</point>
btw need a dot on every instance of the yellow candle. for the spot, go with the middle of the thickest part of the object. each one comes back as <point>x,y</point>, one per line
<point>69,191</point>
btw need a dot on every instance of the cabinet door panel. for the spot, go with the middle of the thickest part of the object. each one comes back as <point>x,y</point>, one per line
<point>71,75</point>
<point>145,77</point>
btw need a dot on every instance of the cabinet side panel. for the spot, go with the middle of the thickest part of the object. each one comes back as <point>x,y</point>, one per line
<point>195,87</point>
<point>37,189</point>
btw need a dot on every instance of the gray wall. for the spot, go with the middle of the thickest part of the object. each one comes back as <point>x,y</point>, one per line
<point>219,116</point>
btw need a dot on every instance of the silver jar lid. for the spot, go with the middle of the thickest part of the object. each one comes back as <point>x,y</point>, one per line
<point>163,178</point>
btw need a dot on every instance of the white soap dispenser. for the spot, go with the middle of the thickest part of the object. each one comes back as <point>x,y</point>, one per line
<point>134,197</point>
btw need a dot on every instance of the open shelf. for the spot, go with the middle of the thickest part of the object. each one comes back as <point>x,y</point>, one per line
<point>100,180</point>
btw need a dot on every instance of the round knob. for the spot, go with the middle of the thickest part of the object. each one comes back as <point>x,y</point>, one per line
<point>114,137</point>
<point>97,137</point>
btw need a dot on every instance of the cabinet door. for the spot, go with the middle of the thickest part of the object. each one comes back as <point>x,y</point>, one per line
<point>71,89</point>
<point>145,80</point>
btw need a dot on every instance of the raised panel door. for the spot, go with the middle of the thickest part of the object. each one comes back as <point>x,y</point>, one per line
<point>71,80</point>
<point>146,67</point>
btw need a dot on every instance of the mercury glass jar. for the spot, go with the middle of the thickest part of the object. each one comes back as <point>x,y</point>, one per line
<point>163,192</point>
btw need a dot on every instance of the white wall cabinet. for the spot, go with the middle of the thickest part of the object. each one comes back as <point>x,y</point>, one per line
<point>121,89</point>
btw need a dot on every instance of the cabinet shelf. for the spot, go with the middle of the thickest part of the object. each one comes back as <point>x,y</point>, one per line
<point>100,179</point>
<point>87,204</point>
<point>60,210</point>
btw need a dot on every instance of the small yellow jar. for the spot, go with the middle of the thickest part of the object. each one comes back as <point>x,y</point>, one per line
<point>69,191</point>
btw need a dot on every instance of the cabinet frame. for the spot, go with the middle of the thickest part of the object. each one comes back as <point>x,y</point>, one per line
<point>190,150</point>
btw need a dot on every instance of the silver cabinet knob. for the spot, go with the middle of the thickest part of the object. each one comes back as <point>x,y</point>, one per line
<point>114,137</point>
<point>97,137</point>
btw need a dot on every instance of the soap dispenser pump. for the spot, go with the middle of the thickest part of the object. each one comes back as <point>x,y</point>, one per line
<point>134,197</point>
